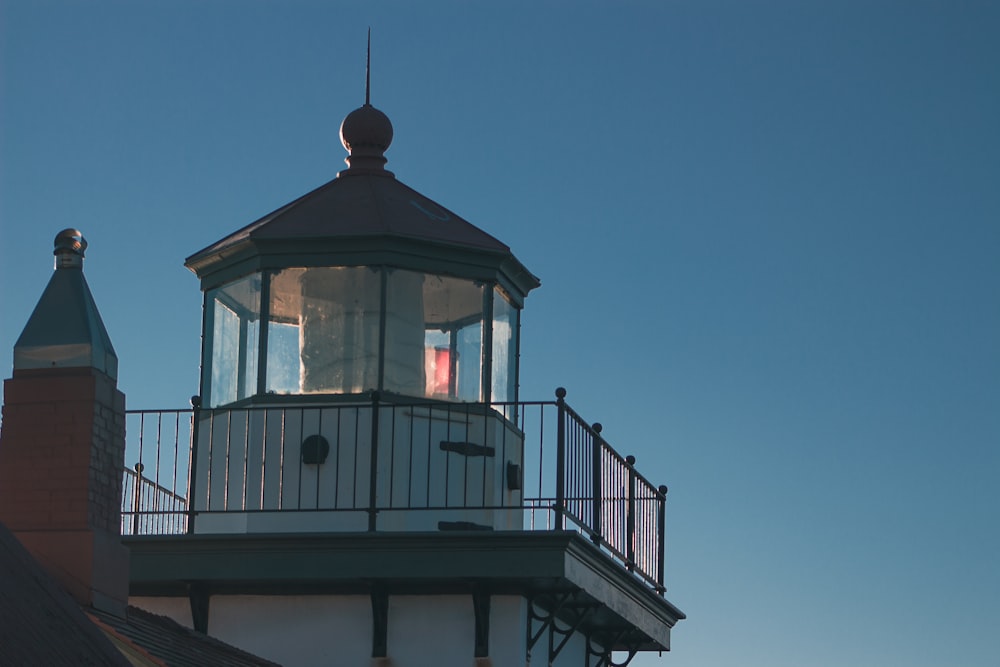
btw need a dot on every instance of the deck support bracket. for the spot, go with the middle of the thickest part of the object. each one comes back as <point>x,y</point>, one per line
<point>604,654</point>
<point>199,597</point>
<point>548,622</point>
<point>380,623</point>
<point>481,607</point>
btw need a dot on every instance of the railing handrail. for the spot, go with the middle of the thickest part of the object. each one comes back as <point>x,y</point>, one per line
<point>570,412</point>
<point>159,488</point>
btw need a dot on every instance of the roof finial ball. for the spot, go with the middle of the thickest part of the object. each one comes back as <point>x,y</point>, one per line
<point>70,246</point>
<point>366,132</point>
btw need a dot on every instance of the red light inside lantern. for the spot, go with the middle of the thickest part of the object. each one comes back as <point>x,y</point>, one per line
<point>442,370</point>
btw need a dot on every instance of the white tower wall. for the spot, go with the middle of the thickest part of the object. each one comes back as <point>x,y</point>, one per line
<point>435,464</point>
<point>305,631</point>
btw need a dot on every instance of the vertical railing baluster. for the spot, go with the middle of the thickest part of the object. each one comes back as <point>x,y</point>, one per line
<point>229,447</point>
<point>210,473</point>
<point>319,431</point>
<point>159,436</point>
<point>427,482</point>
<point>541,462</point>
<point>411,456</point>
<point>447,456</point>
<point>173,479</point>
<point>392,456</point>
<point>560,457</point>
<point>336,463</point>
<point>500,461</point>
<point>298,457</point>
<point>373,472</point>
<point>630,516</point>
<point>410,453</point>
<point>661,523</point>
<point>596,492</point>
<point>136,503</point>
<point>281,459</point>
<point>193,461</point>
<point>465,462</point>
<point>138,467</point>
<point>355,481</point>
<point>156,472</point>
<point>246,459</point>
<point>263,457</point>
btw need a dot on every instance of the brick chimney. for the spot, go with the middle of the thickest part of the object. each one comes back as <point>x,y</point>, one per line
<point>62,445</point>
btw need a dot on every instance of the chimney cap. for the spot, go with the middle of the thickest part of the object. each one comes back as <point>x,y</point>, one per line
<point>70,247</point>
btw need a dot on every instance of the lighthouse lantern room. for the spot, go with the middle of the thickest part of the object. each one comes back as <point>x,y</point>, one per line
<point>346,336</point>
<point>362,285</point>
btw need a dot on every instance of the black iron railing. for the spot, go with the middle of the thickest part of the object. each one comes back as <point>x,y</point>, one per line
<point>151,509</point>
<point>155,502</point>
<point>388,465</point>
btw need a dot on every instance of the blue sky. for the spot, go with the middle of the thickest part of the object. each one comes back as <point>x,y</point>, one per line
<point>768,235</point>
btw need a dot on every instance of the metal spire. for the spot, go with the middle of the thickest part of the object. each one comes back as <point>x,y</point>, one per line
<point>368,70</point>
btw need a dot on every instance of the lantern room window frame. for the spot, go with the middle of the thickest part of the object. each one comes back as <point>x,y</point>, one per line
<point>241,339</point>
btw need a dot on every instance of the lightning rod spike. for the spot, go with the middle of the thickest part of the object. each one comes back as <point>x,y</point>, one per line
<point>368,69</point>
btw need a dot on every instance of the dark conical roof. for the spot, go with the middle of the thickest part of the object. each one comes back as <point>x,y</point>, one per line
<point>363,204</point>
<point>364,208</point>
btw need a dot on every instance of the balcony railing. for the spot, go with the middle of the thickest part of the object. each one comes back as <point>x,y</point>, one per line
<point>538,465</point>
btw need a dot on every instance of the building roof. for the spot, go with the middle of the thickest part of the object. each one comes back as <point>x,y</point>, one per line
<point>175,645</point>
<point>371,203</point>
<point>40,624</point>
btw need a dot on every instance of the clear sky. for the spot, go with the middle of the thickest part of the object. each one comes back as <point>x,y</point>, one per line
<point>768,235</point>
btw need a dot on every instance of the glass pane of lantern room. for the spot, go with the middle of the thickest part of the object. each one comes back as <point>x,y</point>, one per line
<point>233,329</point>
<point>323,326</point>
<point>505,329</point>
<point>434,336</point>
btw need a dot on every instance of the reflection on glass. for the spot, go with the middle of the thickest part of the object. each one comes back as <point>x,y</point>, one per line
<point>323,326</point>
<point>283,358</point>
<point>504,382</point>
<point>234,326</point>
<point>326,335</point>
<point>434,334</point>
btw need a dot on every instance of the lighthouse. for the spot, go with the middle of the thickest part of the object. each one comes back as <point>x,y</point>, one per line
<point>357,480</point>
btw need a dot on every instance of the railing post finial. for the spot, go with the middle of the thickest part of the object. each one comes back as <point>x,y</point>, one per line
<point>560,506</point>
<point>661,525</point>
<point>596,483</point>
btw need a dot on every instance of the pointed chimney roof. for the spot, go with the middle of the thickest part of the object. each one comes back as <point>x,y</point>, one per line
<point>65,329</point>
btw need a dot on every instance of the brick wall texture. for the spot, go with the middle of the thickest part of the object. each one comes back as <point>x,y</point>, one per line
<point>62,447</point>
